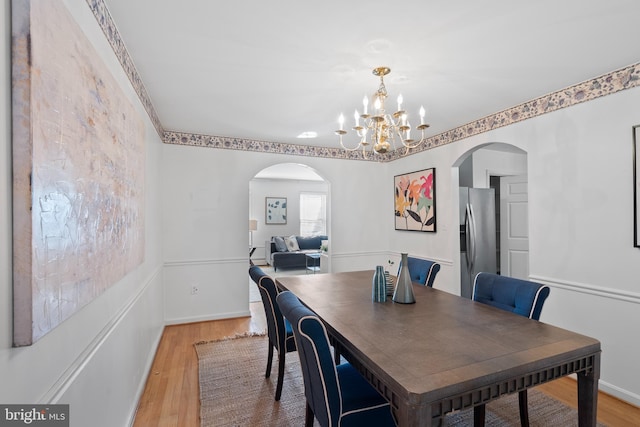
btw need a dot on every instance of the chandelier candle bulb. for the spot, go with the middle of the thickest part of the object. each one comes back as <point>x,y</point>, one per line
<point>341,121</point>
<point>400,102</point>
<point>357,117</point>
<point>421,115</point>
<point>377,104</point>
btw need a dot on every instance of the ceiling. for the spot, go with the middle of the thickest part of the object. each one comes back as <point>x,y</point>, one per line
<point>271,70</point>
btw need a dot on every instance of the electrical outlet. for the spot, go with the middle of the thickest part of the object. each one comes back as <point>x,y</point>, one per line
<point>194,290</point>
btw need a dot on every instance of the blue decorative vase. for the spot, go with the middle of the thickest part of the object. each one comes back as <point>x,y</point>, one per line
<point>379,285</point>
<point>404,289</point>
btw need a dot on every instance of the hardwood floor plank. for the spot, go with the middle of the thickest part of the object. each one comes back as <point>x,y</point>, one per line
<point>171,396</point>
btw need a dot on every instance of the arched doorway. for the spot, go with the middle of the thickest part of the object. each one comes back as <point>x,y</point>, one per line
<point>499,169</point>
<point>292,183</point>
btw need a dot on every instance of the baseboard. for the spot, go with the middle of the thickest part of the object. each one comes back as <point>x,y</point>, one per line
<point>619,393</point>
<point>194,319</point>
<point>143,382</point>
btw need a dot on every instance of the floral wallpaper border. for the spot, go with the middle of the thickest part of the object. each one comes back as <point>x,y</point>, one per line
<point>607,84</point>
<point>110,30</point>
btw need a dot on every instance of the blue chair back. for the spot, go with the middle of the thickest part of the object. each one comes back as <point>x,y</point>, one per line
<point>276,326</point>
<point>507,293</point>
<point>321,385</point>
<point>421,271</point>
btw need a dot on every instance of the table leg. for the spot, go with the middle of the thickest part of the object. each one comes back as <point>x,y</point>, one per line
<point>588,395</point>
<point>414,417</point>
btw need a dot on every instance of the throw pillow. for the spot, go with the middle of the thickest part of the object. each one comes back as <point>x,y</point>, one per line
<point>281,246</point>
<point>292,243</point>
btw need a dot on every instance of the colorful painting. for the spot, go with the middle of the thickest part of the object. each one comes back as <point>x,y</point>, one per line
<point>415,201</point>
<point>636,186</point>
<point>78,171</point>
<point>275,210</point>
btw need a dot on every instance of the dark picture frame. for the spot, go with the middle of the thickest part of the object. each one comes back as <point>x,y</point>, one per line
<point>275,210</point>
<point>636,186</point>
<point>415,201</point>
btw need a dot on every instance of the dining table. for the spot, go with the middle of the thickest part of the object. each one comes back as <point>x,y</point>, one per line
<point>444,353</point>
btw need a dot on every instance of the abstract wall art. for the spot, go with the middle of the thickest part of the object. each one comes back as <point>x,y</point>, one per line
<point>415,201</point>
<point>78,171</point>
<point>636,186</point>
<point>275,210</point>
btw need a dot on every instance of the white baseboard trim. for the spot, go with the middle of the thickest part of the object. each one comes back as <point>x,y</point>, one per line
<point>182,320</point>
<point>143,382</point>
<point>588,289</point>
<point>621,394</point>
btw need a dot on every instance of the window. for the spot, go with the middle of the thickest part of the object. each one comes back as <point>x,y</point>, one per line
<point>313,214</point>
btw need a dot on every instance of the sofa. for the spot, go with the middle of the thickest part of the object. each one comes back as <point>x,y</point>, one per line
<point>291,251</point>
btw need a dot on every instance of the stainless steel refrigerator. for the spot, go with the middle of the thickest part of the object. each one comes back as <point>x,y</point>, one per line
<point>477,235</point>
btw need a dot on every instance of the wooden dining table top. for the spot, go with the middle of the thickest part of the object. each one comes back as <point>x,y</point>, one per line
<point>440,347</point>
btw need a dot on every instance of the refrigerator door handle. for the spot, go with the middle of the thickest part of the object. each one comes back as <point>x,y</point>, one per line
<point>467,227</point>
<point>471,248</point>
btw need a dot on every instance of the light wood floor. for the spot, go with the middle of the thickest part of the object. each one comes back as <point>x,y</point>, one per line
<point>170,396</point>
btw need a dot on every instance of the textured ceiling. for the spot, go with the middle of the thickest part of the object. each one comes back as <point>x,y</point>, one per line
<point>271,70</point>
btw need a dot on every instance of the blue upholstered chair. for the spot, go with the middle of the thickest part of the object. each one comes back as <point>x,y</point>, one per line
<point>278,328</point>
<point>337,396</point>
<point>517,296</point>
<point>421,270</point>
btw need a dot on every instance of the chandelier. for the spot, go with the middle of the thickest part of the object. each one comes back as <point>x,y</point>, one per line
<point>380,130</point>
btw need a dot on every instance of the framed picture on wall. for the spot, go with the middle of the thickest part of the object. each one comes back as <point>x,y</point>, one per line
<point>636,186</point>
<point>275,211</point>
<point>415,201</point>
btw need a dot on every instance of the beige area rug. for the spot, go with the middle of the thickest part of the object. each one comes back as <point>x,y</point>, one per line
<point>234,392</point>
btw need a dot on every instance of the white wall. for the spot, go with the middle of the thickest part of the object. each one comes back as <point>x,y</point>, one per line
<point>206,211</point>
<point>98,359</point>
<point>580,213</point>
<point>580,219</point>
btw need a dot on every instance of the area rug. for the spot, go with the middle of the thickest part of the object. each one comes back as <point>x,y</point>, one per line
<point>234,392</point>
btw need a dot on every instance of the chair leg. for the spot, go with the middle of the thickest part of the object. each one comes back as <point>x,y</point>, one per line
<point>280,374</point>
<point>524,408</point>
<point>269,360</point>
<point>478,415</point>
<point>308,417</point>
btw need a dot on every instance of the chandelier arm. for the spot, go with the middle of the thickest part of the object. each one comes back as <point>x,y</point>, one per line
<point>415,145</point>
<point>346,148</point>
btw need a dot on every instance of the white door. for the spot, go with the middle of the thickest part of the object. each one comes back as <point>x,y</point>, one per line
<point>514,227</point>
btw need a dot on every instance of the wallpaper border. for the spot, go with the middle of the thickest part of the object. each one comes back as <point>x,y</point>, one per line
<point>624,78</point>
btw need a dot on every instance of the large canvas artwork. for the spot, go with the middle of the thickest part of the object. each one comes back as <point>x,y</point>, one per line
<point>78,166</point>
<point>636,186</point>
<point>415,201</point>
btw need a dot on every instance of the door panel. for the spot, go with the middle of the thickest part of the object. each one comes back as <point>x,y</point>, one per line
<point>514,218</point>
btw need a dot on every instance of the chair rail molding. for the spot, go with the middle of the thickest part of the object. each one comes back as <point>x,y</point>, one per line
<point>616,294</point>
